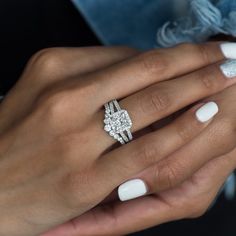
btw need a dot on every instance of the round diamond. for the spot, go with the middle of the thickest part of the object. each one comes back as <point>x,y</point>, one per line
<point>112,133</point>
<point>107,121</point>
<point>107,128</point>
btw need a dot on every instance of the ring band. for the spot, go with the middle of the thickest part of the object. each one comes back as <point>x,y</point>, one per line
<point>117,122</point>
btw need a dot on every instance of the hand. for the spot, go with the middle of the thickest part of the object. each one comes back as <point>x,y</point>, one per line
<point>35,169</point>
<point>122,218</point>
<point>190,200</point>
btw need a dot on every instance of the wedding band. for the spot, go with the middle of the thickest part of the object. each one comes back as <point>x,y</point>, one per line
<point>117,122</point>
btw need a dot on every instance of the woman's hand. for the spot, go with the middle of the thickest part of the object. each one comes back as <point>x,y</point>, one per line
<point>189,200</point>
<point>52,166</point>
<point>121,218</point>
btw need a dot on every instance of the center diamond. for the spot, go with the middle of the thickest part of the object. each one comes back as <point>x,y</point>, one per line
<point>119,121</point>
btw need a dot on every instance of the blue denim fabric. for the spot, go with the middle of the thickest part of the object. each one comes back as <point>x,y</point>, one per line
<point>147,24</point>
<point>161,23</point>
<point>124,22</point>
<point>204,19</point>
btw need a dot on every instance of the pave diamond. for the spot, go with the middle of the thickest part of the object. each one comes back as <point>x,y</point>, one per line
<point>107,128</point>
<point>119,121</point>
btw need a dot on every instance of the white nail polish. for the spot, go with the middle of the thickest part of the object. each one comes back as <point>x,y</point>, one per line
<point>229,50</point>
<point>207,111</point>
<point>228,68</point>
<point>132,189</point>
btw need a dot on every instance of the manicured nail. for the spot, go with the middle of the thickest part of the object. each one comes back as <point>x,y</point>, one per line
<point>229,50</point>
<point>132,189</point>
<point>207,111</point>
<point>229,68</point>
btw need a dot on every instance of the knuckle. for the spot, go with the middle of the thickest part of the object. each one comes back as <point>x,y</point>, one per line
<point>155,101</point>
<point>210,79</point>
<point>203,52</point>
<point>156,179</point>
<point>152,62</point>
<point>185,131</point>
<point>148,152</point>
<point>168,176</point>
<point>200,50</point>
<point>48,61</point>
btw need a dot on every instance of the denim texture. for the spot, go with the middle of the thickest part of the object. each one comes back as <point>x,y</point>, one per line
<point>204,19</point>
<point>158,23</point>
<point>126,22</point>
<point>161,23</point>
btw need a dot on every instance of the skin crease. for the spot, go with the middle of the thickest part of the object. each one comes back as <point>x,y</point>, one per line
<point>114,218</point>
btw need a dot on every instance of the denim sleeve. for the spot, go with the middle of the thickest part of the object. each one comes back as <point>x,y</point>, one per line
<point>124,22</point>
<point>157,23</point>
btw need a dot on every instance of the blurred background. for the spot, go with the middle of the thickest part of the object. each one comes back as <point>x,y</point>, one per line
<point>27,26</point>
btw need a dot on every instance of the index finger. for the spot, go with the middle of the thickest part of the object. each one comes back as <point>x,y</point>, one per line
<point>141,71</point>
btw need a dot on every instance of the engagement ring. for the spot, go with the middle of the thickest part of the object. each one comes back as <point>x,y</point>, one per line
<point>117,122</point>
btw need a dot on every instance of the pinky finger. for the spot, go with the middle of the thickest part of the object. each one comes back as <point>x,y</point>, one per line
<point>123,163</point>
<point>122,218</point>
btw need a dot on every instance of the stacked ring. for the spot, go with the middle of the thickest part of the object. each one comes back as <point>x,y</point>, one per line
<point>117,122</point>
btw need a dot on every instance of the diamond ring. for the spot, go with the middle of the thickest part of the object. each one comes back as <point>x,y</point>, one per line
<point>117,122</point>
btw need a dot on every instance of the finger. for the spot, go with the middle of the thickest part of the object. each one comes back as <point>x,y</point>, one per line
<point>113,219</point>
<point>161,100</point>
<point>62,63</point>
<point>151,67</point>
<point>124,218</point>
<point>130,159</point>
<point>52,65</point>
<point>216,140</point>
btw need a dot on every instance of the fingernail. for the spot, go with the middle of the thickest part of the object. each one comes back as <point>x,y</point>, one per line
<point>229,50</point>
<point>229,68</point>
<point>207,111</point>
<point>132,189</point>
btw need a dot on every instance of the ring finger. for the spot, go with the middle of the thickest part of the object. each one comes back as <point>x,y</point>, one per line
<point>165,98</point>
